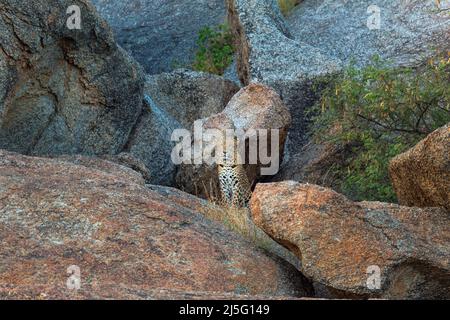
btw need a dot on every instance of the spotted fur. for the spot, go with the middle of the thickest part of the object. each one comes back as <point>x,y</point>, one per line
<point>234,184</point>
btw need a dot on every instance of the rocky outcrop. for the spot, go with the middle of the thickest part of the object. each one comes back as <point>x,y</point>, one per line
<point>268,52</point>
<point>128,241</point>
<point>160,34</point>
<point>296,56</point>
<point>409,31</point>
<point>60,83</point>
<point>59,93</point>
<point>421,176</point>
<point>253,107</point>
<point>343,245</point>
<point>237,220</point>
<point>188,95</point>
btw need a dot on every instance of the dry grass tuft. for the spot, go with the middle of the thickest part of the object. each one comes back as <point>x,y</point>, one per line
<point>239,221</point>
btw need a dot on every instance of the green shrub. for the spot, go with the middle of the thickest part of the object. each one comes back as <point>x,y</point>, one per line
<point>381,112</point>
<point>215,49</point>
<point>286,6</point>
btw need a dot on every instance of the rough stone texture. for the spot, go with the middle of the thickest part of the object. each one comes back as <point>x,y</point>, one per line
<point>253,107</point>
<point>110,165</point>
<point>421,176</point>
<point>128,241</point>
<point>231,73</point>
<point>63,91</point>
<point>151,143</point>
<point>409,31</point>
<point>188,95</point>
<point>314,164</point>
<point>128,160</point>
<point>160,34</point>
<point>242,224</point>
<point>337,240</point>
<point>267,52</point>
<point>258,106</point>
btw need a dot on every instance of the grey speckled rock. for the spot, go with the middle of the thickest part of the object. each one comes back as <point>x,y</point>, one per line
<point>188,96</point>
<point>150,143</point>
<point>408,32</point>
<point>64,91</point>
<point>319,38</point>
<point>268,53</point>
<point>160,33</point>
<point>232,74</point>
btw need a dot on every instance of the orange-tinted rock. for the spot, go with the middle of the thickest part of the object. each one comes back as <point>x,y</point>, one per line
<point>129,241</point>
<point>258,106</point>
<point>421,176</point>
<point>338,241</point>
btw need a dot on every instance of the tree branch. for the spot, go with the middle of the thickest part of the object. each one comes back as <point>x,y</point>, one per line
<point>414,131</point>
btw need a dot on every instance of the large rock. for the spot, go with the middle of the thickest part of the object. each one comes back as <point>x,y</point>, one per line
<point>268,52</point>
<point>409,30</point>
<point>339,241</point>
<point>253,107</point>
<point>62,90</point>
<point>421,176</point>
<point>160,34</point>
<point>188,95</point>
<point>128,241</point>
